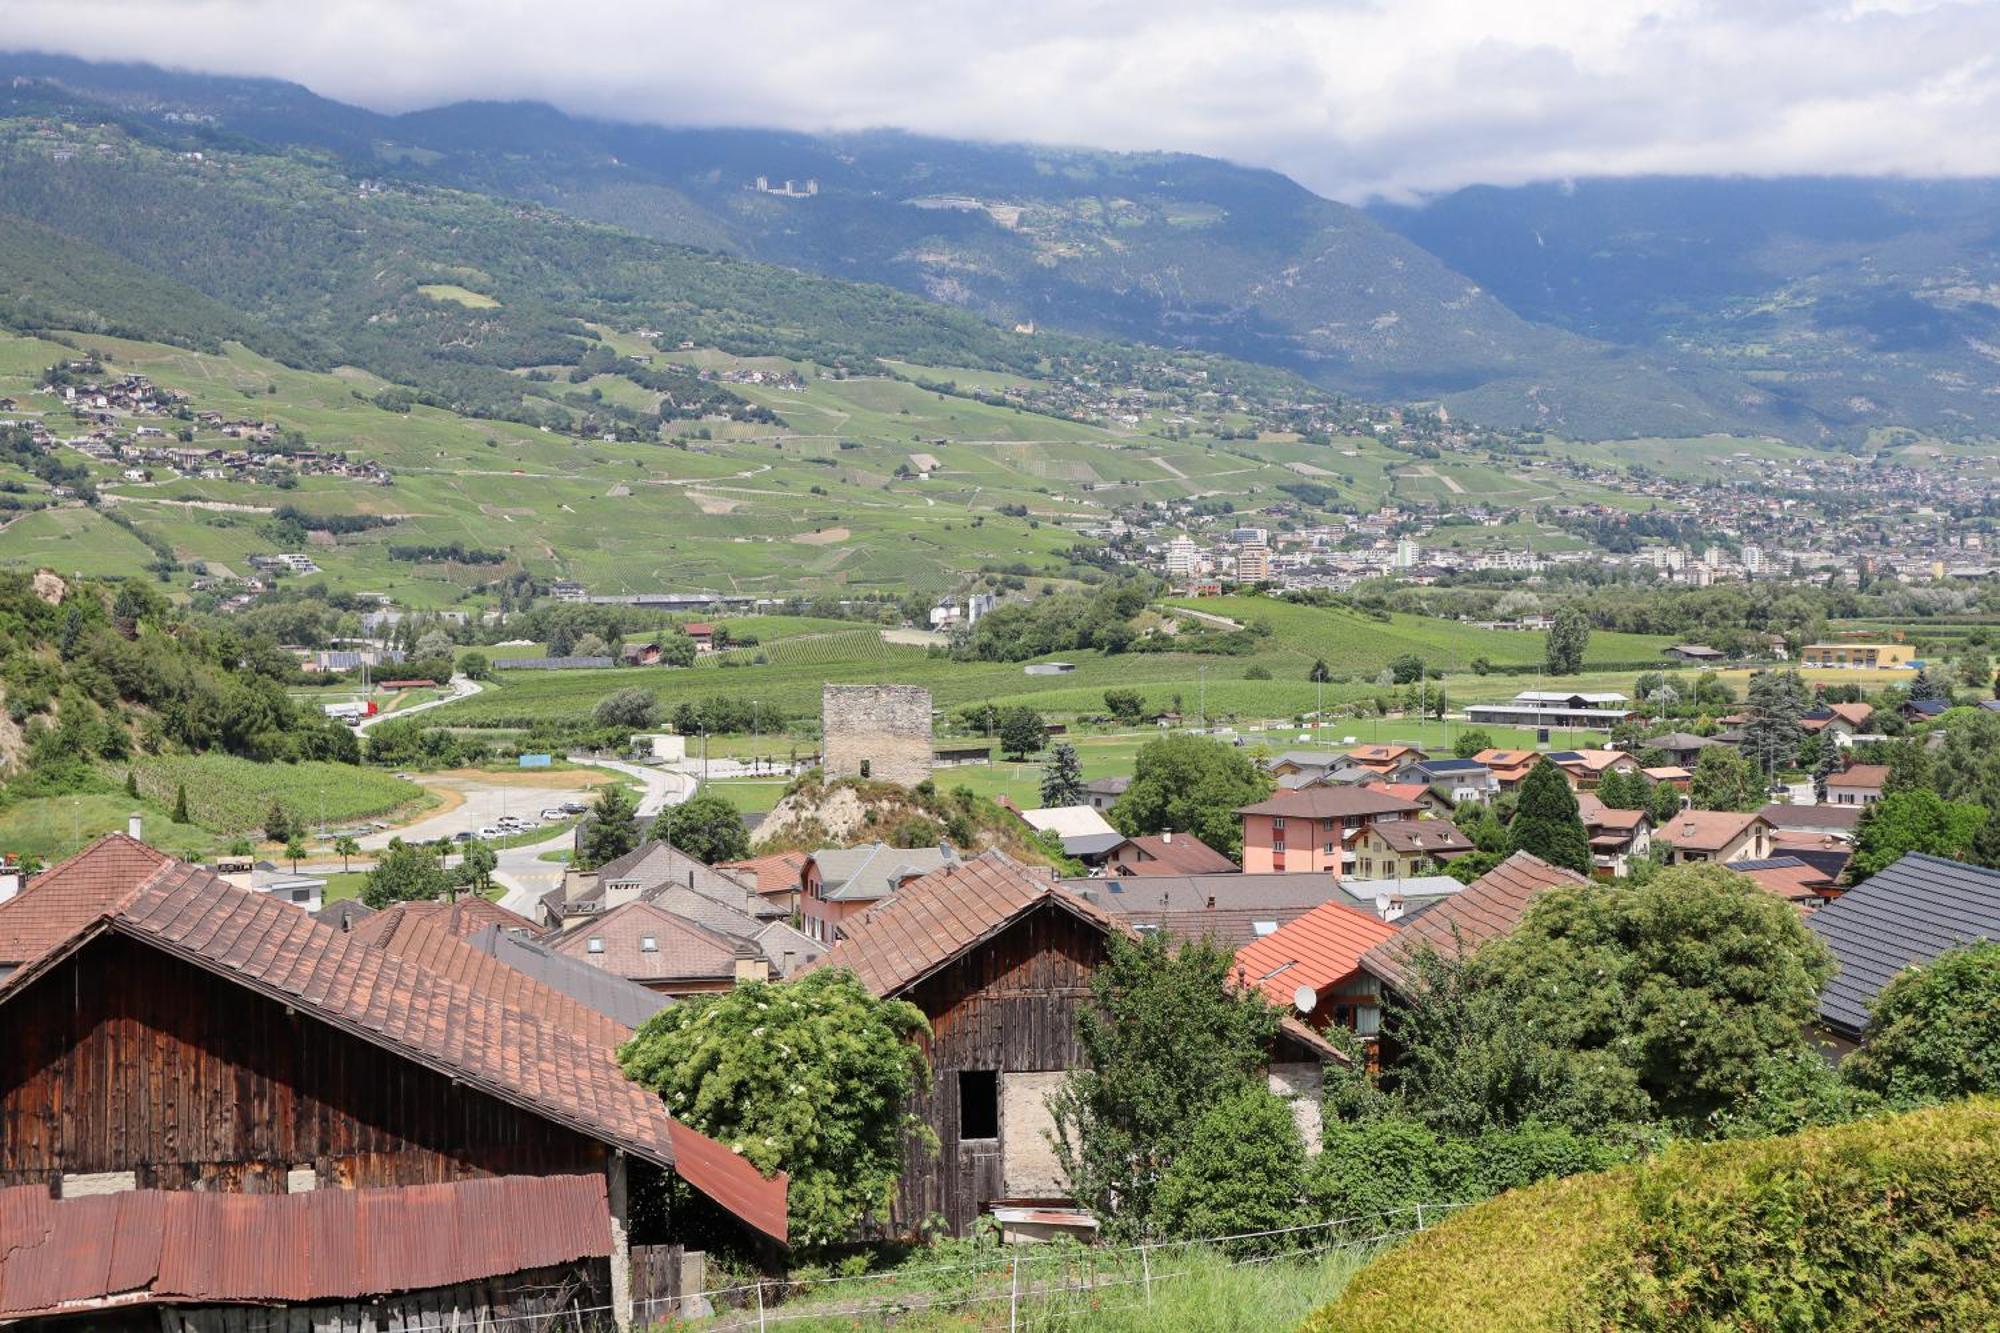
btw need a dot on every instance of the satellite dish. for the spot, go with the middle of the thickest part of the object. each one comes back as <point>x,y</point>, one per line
<point>1304,998</point>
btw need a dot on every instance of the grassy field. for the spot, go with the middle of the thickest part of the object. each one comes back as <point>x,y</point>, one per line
<point>231,795</point>
<point>50,828</point>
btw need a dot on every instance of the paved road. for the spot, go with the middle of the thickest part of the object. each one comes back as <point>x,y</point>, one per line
<point>527,877</point>
<point>462,687</point>
<point>480,802</point>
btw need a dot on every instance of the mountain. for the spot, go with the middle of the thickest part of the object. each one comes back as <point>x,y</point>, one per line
<point>1874,302</point>
<point>1814,310</point>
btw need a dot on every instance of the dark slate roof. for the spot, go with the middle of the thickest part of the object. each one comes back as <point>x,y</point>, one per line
<point>1910,913</point>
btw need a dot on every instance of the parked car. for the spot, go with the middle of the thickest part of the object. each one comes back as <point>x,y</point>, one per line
<point>555,812</point>
<point>491,832</point>
<point>461,836</point>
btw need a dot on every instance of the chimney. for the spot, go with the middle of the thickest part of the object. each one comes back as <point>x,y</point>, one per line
<point>1167,836</point>
<point>135,827</point>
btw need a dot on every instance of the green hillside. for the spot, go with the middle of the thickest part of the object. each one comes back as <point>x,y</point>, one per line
<point>1886,1223</point>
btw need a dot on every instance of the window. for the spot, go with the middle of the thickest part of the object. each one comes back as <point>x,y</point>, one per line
<point>1277,823</point>
<point>596,944</point>
<point>978,1104</point>
<point>1329,849</point>
<point>648,944</point>
<point>1264,927</point>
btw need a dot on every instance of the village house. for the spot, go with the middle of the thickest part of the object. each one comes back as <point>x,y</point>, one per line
<point>1384,760</point>
<point>345,1071</point>
<point>1682,748</point>
<point>1857,785</point>
<point>1617,837</point>
<point>999,958</point>
<point>1508,767</point>
<point>652,947</point>
<point>1166,854</point>
<point>842,883</point>
<point>1790,878</point>
<point>1407,848</point>
<point>1586,768</point>
<point>1231,909</point>
<point>1714,835</point>
<point>1311,968</point>
<point>1457,780</point>
<point>1313,828</point>
<point>1100,794</point>
<point>1906,915</point>
<point>1838,719</point>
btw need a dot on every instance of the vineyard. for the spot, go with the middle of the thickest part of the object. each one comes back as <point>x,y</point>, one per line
<point>231,795</point>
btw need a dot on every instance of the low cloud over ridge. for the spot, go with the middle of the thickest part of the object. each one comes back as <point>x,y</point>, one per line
<point>1353,98</point>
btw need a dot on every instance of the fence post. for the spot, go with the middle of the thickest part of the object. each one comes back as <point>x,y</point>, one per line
<point>760,1305</point>
<point>1146,1270</point>
<point>1014,1297</point>
<point>1420,1216</point>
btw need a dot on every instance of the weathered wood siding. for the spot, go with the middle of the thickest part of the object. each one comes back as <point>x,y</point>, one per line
<point>126,1059</point>
<point>1009,1006</point>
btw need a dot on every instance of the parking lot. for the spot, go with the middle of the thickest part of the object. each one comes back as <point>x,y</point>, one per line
<point>479,800</point>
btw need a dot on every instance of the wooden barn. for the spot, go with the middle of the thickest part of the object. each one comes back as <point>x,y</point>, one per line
<point>168,1032</point>
<point>999,957</point>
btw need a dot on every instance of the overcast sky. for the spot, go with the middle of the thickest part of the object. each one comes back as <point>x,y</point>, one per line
<point>1351,97</point>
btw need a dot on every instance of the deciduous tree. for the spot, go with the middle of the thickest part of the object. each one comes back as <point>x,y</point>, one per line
<point>707,827</point>
<point>811,1077</point>
<point>1191,784</point>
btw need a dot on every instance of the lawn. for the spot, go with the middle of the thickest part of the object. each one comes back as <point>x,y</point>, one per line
<point>50,828</point>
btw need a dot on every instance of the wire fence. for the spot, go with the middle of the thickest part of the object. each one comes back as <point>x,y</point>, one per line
<point>1016,1288</point>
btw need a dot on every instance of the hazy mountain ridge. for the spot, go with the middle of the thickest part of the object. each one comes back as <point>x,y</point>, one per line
<point>1667,309</point>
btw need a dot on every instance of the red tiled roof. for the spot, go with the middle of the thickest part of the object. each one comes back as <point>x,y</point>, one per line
<point>1331,803</point>
<point>70,895</point>
<point>1168,854</point>
<point>478,1038</point>
<point>1316,950</point>
<point>1487,908</point>
<point>1860,775</point>
<point>775,873</point>
<point>143,1247</point>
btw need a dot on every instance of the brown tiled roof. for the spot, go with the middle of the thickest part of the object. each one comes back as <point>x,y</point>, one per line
<point>1489,907</point>
<point>1167,854</point>
<point>1596,814</point>
<point>1860,775</point>
<point>1705,830</point>
<point>683,950</point>
<point>946,914</point>
<point>70,895</point>
<point>466,916</point>
<point>935,919</point>
<point>1813,818</point>
<point>505,1052</point>
<point>776,873</point>
<point>143,1247</point>
<point>1316,950</point>
<point>1331,803</point>
<point>429,940</point>
<point>1420,835</point>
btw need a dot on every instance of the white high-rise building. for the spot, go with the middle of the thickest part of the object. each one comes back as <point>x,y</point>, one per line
<point>1408,553</point>
<point>1181,553</point>
<point>1253,563</point>
<point>1753,559</point>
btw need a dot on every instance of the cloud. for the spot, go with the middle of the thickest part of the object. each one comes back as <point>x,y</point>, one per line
<point>1354,98</point>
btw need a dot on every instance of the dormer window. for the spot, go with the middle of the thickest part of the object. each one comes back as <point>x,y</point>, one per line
<point>596,944</point>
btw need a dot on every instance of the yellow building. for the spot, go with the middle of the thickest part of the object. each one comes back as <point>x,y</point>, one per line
<point>1857,655</point>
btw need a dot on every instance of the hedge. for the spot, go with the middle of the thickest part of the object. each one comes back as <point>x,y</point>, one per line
<point>1885,1223</point>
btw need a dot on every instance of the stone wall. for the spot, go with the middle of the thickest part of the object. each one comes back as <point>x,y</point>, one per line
<point>876,731</point>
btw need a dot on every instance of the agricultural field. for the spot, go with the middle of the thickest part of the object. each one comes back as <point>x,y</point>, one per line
<point>231,795</point>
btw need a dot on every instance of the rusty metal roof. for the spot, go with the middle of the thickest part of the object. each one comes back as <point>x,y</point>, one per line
<point>447,1025</point>
<point>191,1247</point>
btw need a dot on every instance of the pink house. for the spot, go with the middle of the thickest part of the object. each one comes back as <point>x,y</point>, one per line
<point>840,883</point>
<point>1314,828</point>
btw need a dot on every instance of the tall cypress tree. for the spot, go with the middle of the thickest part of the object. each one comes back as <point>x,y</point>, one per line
<point>1546,823</point>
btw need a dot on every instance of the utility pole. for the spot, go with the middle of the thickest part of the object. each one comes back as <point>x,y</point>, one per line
<point>1201,697</point>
